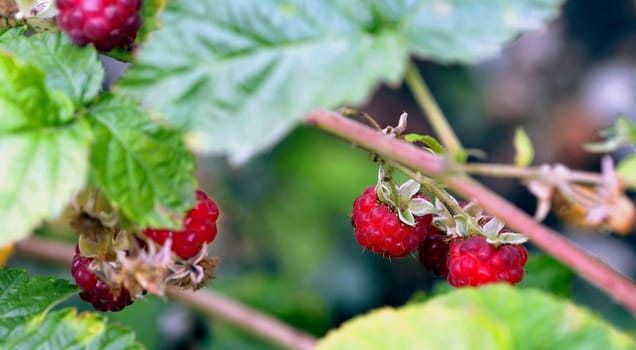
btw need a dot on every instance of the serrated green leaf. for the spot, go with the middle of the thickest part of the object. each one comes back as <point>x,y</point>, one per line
<point>65,329</point>
<point>23,299</point>
<point>471,30</point>
<point>43,150</point>
<point>142,167</point>
<point>72,69</point>
<point>428,140</point>
<point>419,326</point>
<point>238,75</point>
<point>524,152</point>
<point>114,338</point>
<point>25,321</point>
<point>491,317</point>
<point>538,320</point>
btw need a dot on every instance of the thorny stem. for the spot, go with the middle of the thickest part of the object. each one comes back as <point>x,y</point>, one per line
<point>427,103</point>
<point>617,286</point>
<point>206,301</point>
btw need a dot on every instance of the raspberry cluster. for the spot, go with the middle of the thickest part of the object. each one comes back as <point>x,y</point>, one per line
<point>111,277</point>
<point>199,227</point>
<point>105,23</point>
<point>379,229</point>
<point>464,261</point>
<point>95,291</point>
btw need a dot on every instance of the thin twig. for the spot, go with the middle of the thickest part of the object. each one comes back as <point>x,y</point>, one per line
<point>433,113</point>
<point>206,301</point>
<point>247,319</point>
<point>617,286</point>
<point>512,171</point>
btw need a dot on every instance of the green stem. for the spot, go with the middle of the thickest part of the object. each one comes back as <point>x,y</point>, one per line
<point>388,171</point>
<point>431,110</point>
<point>434,189</point>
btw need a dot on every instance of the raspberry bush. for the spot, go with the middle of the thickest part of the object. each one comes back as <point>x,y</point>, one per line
<point>116,115</point>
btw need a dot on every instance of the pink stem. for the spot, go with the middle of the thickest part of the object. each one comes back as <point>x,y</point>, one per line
<point>617,286</point>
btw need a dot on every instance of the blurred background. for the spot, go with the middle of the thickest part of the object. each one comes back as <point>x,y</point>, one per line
<point>285,237</point>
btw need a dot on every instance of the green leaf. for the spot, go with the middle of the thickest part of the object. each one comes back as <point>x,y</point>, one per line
<point>43,150</point>
<point>428,140</point>
<point>524,152</point>
<point>27,324</point>
<point>419,326</point>
<point>491,317</point>
<point>150,10</point>
<point>238,75</point>
<point>471,30</point>
<point>539,320</point>
<point>142,167</point>
<point>72,69</point>
<point>23,299</point>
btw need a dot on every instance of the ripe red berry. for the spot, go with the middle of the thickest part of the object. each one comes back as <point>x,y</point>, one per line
<point>379,229</point>
<point>84,278</point>
<point>94,290</point>
<point>104,299</point>
<point>105,23</point>
<point>434,252</point>
<point>199,228</point>
<point>473,261</point>
<point>202,218</point>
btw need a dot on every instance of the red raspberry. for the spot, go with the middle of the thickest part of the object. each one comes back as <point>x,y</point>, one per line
<point>84,278</point>
<point>105,23</point>
<point>94,290</point>
<point>380,230</point>
<point>434,252</point>
<point>103,299</point>
<point>202,218</point>
<point>473,262</point>
<point>199,227</point>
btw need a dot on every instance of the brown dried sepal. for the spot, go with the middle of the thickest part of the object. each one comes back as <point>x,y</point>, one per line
<point>8,10</point>
<point>194,280</point>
